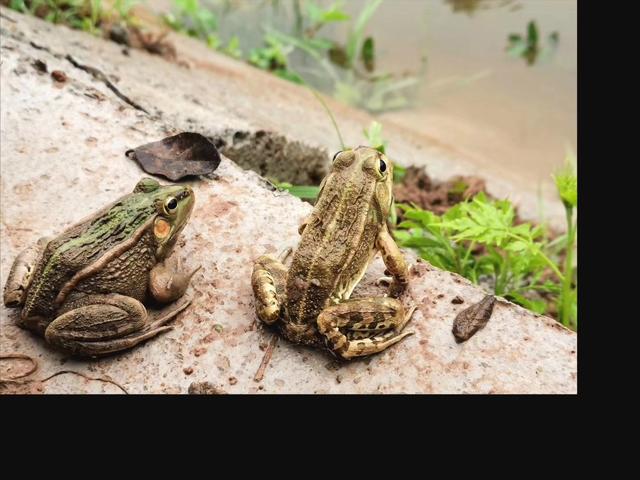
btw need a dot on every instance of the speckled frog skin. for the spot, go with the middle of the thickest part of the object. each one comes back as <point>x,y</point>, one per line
<point>84,289</point>
<point>310,301</point>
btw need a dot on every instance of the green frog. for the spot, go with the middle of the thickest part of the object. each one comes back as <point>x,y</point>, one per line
<point>309,302</point>
<point>84,289</point>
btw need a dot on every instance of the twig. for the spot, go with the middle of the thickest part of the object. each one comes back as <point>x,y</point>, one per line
<point>61,372</point>
<point>99,379</point>
<point>98,75</point>
<point>265,359</point>
<point>20,356</point>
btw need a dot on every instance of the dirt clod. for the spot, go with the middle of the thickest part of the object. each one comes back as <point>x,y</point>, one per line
<point>438,197</point>
<point>188,370</point>
<point>457,300</point>
<point>233,380</point>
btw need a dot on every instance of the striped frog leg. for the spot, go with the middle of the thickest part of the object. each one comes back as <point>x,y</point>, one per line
<point>360,327</point>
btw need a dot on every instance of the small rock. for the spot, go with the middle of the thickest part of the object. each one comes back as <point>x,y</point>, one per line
<point>233,380</point>
<point>119,35</point>
<point>205,388</point>
<point>59,76</point>
<point>199,351</point>
<point>457,300</point>
<point>40,66</point>
<point>332,365</point>
<point>339,378</point>
<point>188,370</point>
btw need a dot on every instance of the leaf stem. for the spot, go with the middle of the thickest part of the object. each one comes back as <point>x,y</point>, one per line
<point>326,107</point>
<point>547,260</point>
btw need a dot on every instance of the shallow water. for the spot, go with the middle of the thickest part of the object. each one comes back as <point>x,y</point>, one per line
<point>500,112</point>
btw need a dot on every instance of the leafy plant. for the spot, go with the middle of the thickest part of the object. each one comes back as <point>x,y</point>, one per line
<point>305,192</point>
<point>194,20</point>
<point>87,15</point>
<point>567,185</point>
<point>233,47</point>
<point>479,240</point>
<point>123,9</point>
<point>528,47</point>
<point>355,39</point>
<point>274,57</point>
<point>374,136</point>
<point>81,14</point>
<point>320,17</point>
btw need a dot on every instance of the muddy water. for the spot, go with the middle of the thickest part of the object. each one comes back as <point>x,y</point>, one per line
<point>501,113</point>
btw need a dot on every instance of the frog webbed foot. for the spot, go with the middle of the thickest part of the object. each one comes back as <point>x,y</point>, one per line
<point>101,324</point>
<point>365,326</point>
<point>168,282</point>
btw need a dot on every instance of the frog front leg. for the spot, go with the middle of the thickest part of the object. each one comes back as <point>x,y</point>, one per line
<point>96,325</point>
<point>395,263</point>
<point>360,327</point>
<point>268,282</point>
<point>21,273</point>
<point>167,282</point>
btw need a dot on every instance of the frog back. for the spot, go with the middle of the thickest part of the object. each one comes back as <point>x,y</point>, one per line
<point>334,250</point>
<point>85,243</point>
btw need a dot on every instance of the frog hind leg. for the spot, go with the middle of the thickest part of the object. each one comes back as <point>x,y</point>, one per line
<point>101,324</point>
<point>360,327</point>
<point>268,283</point>
<point>21,273</point>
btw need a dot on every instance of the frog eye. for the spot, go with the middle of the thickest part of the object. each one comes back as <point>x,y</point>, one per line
<point>336,155</point>
<point>171,204</point>
<point>382,166</point>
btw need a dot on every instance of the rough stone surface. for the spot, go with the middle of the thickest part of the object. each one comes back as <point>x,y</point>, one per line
<point>62,157</point>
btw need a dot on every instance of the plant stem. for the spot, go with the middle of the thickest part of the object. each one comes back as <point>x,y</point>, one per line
<point>565,304</point>
<point>466,255</point>
<point>547,260</point>
<point>326,107</point>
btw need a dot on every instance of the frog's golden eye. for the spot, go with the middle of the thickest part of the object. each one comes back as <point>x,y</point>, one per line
<point>170,204</point>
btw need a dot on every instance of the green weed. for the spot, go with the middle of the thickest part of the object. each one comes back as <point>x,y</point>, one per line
<point>528,46</point>
<point>86,15</point>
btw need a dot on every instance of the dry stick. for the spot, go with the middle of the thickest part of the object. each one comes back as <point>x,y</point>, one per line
<point>61,372</point>
<point>20,356</point>
<point>99,379</point>
<point>265,360</point>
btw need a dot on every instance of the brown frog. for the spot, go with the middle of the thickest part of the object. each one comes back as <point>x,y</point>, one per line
<point>310,301</point>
